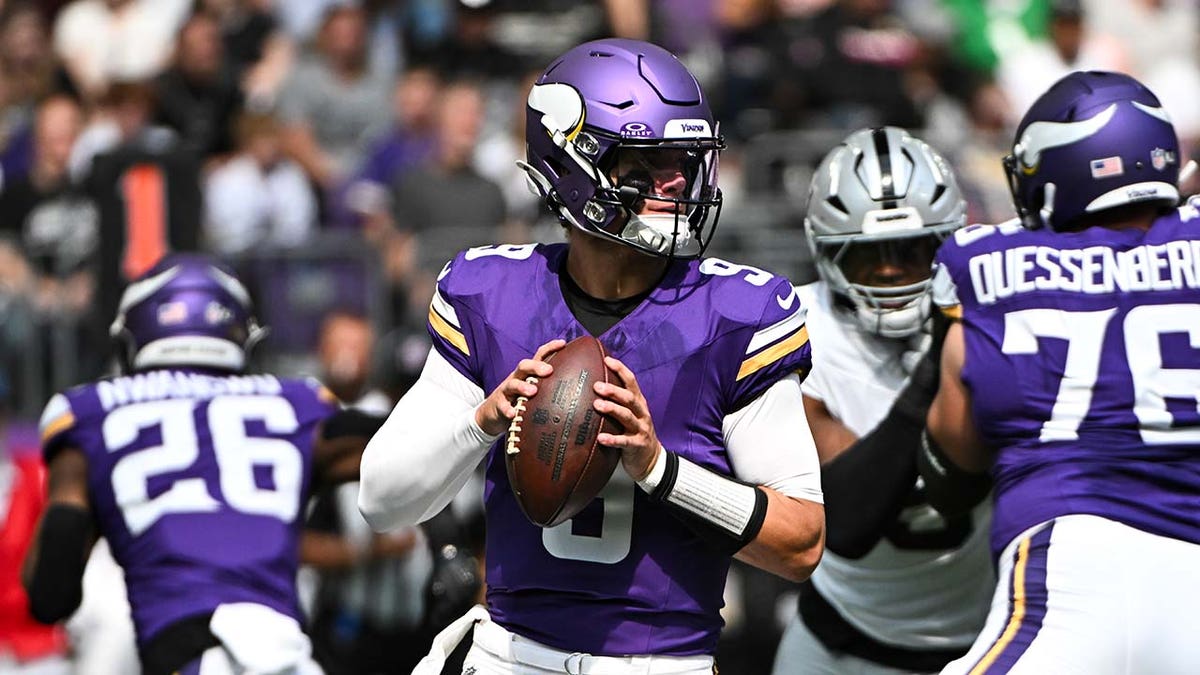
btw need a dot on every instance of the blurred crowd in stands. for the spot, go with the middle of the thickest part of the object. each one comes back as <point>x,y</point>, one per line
<point>312,133</point>
<point>339,152</point>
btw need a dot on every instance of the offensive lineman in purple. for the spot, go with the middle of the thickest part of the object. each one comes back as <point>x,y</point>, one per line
<point>1120,437</point>
<point>196,474</point>
<point>717,457</point>
<point>1073,378</point>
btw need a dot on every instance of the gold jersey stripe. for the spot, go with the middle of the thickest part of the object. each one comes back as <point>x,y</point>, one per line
<point>1018,612</point>
<point>772,354</point>
<point>60,424</point>
<point>448,332</point>
<point>327,396</point>
<point>954,312</point>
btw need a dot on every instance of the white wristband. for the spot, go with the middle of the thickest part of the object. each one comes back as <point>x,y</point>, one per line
<point>733,507</point>
<point>657,470</point>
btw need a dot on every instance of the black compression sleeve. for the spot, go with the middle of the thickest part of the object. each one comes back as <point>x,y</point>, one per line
<point>56,588</point>
<point>351,422</point>
<point>866,485</point>
<point>949,489</point>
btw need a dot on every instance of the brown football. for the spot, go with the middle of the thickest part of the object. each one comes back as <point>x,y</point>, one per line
<point>555,465</point>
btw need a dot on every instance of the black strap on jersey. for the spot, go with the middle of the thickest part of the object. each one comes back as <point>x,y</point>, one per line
<point>840,637</point>
<point>706,523</point>
<point>867,484</point>
<point>178,644</point>
<point>56,587</point>
<point>948,488</point>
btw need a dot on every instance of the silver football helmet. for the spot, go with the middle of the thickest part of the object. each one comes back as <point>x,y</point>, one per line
<point>879,206</point>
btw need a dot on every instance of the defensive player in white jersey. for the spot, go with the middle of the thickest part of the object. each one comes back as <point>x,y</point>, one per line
<point>1073,379</point>
<point>901,589</point>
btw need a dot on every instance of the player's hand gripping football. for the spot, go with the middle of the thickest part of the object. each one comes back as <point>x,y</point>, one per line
<point>626,404</point>
<point>497,410</point>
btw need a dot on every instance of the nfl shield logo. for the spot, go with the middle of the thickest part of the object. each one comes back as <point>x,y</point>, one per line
<point>1159,159</point>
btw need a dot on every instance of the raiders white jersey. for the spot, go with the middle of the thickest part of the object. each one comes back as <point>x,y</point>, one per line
<point>910,590</point>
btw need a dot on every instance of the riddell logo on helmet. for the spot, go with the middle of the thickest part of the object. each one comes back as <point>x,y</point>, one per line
<point>636,130</point>
<point>1146,193</point>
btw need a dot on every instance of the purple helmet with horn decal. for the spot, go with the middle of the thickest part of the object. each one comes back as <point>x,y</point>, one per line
<point>187,310</point>
<point>622,144</point>
<point>1094,141</point>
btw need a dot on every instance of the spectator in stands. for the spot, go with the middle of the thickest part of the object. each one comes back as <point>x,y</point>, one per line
<point>1025,72</point>
<point>259,53</point>
<point>370,604</point>
<point>52,222</point>
<point>330,105</point>
<point>26,646</point>
<point>974,154</point>
<point>25,54</point>
<point>101,41</point>
<point>848,64</point>
<point>440,206</point>
<point>494,160</point>
<point>197,96</point>
<point>471,50</point>
<point>409,143</point>
<point>445,202</point>
<point>259,197</point>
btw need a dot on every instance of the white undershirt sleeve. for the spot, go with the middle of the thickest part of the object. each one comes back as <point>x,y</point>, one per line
<point>425,451</point>
<point>770,443</point>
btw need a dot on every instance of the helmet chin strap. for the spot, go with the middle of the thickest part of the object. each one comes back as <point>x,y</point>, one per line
<point>1047,210</point>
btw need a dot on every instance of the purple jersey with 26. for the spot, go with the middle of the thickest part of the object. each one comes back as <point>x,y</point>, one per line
<point>624,576</point>
<point>1083,362</point>
<point>198,482</point>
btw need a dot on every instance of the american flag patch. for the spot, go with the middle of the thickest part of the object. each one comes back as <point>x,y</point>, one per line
<point>1107,167</point>
<point>172,313</point>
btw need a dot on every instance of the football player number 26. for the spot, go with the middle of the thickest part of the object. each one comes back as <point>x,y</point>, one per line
<point>1153,383</point>
<point>236,453</point>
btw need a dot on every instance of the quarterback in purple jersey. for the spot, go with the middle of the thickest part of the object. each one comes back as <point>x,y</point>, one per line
<point>716,453</point>
<point>1073,379</point>
<point>197,475</point>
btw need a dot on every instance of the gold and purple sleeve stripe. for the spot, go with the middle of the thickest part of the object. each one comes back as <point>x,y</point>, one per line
<point>773,343</point>
<point>444,321</point>
<point>57,426</point>
<point>56,418</point>
<point>1026,605</point>
<point>952,312</point>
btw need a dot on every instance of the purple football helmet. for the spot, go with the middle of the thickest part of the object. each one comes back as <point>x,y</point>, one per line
<point>187,310</point>
<point>622,145</point>
<point>1094,141</point>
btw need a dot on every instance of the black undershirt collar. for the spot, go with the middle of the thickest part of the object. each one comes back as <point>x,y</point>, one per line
<point>594,314</point>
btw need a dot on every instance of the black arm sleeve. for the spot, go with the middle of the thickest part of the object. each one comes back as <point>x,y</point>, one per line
<point>455,581</point>
<point>351,422</point>
<point>949,489</point>
<point>56,587</point>
<point>866,485</point>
